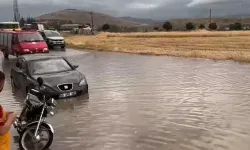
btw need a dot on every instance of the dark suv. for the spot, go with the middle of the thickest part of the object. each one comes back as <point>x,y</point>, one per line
<point>53,38</point>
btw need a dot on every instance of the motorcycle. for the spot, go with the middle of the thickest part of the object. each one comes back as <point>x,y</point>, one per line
<point>35,133</point>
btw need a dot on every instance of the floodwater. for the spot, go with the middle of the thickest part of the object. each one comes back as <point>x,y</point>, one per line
<point>150,103</point>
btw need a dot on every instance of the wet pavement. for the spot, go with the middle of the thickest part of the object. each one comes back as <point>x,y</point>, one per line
<point>150,103</point>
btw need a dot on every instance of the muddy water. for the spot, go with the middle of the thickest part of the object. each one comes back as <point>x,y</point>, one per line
<point>146,103</point>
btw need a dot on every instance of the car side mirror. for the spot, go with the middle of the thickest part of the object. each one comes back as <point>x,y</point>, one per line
<point>75,66</point>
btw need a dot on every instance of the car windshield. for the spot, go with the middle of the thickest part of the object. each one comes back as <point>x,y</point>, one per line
<point>47,66</point>
<point>30,37</point>
<point>52,34</point>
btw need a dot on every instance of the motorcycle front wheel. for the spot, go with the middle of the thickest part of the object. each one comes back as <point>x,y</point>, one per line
<point>28,141</point>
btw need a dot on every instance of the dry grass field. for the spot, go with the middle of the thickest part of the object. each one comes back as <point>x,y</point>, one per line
<point>228,45</point>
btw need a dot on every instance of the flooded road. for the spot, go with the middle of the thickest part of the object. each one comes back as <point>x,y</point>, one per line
<point>150,103</point>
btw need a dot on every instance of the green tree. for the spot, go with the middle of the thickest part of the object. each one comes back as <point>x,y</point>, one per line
<point>213,26</point>
<point>190,26</point>
<point>156,28</point>
<point>105,27</point>
<point>22,22</point>
<point>202,26</point>
<point>235,26</point>
<point>30,20</point>
<point>167,26</point>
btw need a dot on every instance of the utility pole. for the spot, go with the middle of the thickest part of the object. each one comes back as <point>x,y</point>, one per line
<point>92,20</point>
<point>241,14</point>
<point>16,11</point>
<point>210,18</point>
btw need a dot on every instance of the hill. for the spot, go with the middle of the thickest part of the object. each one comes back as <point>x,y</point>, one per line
<point>82,17</point>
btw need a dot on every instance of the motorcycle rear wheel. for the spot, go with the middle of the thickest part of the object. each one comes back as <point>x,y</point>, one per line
<point>31,129</point>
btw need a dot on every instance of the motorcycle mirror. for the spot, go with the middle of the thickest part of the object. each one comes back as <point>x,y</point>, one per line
<point>40,81</point>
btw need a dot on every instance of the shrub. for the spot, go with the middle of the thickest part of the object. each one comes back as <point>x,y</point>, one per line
<point>167,26</point>
<point>202,26</point>
<point>190,26</point>
<point>235,26</point>
<point>156,28</point>
<point>213,26</point>
<point>105,27</point>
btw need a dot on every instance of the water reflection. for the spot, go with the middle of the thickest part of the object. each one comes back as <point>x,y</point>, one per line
<point>145,103</point>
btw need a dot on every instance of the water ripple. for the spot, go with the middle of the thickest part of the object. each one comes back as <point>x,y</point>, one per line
<point>150,103</point>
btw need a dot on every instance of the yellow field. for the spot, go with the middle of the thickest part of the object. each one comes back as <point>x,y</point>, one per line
<point>218,45</point>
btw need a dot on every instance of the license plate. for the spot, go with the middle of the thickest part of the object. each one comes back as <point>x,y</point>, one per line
<point>67,94</point>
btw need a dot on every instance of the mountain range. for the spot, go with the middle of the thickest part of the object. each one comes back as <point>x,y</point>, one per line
<point>81,16</point>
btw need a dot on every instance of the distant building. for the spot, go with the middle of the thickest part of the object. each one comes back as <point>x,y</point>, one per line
<point>246,27</point>
<point>67,27</point>
<point>223,28</point>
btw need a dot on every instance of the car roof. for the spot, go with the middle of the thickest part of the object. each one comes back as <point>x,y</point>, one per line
<point>31,57</point>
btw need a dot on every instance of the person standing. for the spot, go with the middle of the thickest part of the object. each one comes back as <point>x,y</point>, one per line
<point>6,120</point>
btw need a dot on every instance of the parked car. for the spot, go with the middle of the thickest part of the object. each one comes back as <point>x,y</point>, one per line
<point>22,42</point>
<point>53,38</point>
<point>61,78</point>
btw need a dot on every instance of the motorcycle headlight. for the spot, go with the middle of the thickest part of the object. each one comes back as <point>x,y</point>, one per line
<point>50,110</point>
<point>82,82</point>
<point>45,88</point>
<point>42,87</point>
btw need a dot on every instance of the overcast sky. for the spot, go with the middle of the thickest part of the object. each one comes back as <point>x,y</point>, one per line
<point>155,9</point>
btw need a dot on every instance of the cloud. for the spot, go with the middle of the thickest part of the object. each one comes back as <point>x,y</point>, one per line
<point>218,2</point>
<point>155,9</point>
<point>198,2</point>
<point>137,5</point>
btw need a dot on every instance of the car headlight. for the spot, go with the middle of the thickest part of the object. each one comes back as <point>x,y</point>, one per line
<point>45,49</point>
<point>26,50</point>
<point>83,82</point>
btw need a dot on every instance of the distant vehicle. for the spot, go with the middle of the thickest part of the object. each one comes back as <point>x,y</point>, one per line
<point>33,27</point>
<point>69,27</point>
<point>9,26</point>
<point>22,42</point>
<point>59,75</point>
<point>37,26</point>
<point>26,27</point>
<point>53,38</point>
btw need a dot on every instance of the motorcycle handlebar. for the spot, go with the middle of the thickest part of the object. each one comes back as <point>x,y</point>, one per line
<point>40,92</point>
